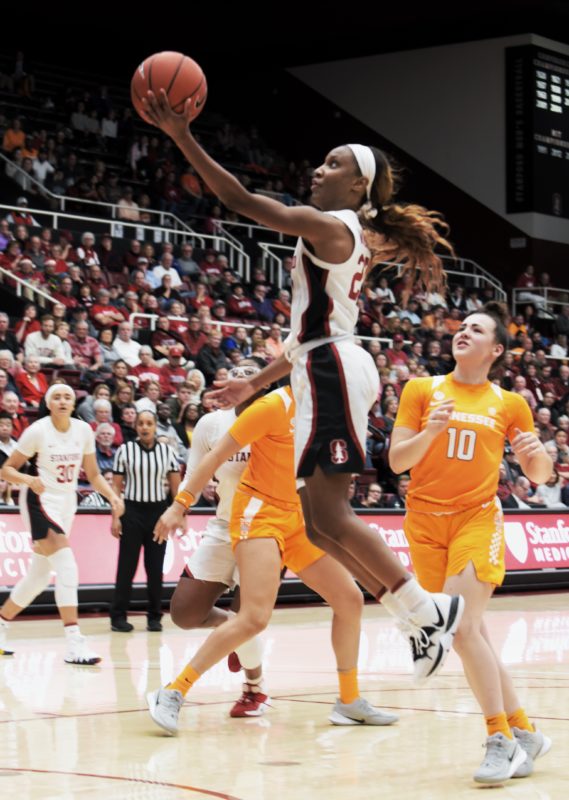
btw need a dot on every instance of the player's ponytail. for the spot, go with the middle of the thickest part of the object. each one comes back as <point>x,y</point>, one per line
<point>415,230</point>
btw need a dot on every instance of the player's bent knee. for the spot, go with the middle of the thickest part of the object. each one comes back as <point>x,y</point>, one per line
<point>465,636</point>
<point>254,622</point>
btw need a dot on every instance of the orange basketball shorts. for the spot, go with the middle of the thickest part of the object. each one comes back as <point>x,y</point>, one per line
<point>441,545</point>
<point>254,518</point>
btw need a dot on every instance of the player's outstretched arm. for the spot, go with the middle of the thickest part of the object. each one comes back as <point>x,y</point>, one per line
<point>302,221</point>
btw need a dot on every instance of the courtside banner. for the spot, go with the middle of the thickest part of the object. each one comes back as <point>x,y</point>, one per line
<point>534,541</point>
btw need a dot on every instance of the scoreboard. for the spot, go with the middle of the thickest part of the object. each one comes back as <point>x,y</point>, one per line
<point>537,131</point>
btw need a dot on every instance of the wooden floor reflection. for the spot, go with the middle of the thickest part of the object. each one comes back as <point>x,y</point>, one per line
<point>70,732</point>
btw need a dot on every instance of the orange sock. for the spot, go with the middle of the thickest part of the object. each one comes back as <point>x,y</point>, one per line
<point>185,680</point>
<point>498,724</point>
<point>349,690</point>
<point>519,719</point>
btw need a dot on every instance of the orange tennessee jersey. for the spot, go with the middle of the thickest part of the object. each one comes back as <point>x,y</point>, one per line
<point>268,426</point>
<point>460,470</point>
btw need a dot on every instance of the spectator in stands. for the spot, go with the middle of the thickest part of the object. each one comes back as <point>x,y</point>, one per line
<point>128,209</point>
<point>211,357</point>
<point>64,293</point>
<point>263,307</point>
<point>172,374</point>
<point>103,314</point>
<point>559,348</point>
<point>188,267</point>
<point>28,324</point>
<point>166,267</point>
<point>374,497</point>
<point>125,346</point>
<point>165,431</point>
<point>35,253</point>
<point>45,345</point>
<point>166,295</point>
<point>519,497</point>
<point>473,302</point>
<point>396,354</point>
<point>548,494</point>
<point>85,409</point>
<point>107,256</point>
<point>196,381</point>
<point>202,297</point>
<point>85,349</point>
<point>104,450</point>
<point>186,421</point>
<point>124,393</point>
<point>11,405</point>
<point>32,384</point>
<point>8,340</point>
<point>150,397</point>
<point>86,253</point>
<point>5,234</point>
<point>184,394</point>
<point>7,442</point>
<point>14,137</point>
<point>42,168</point>
<point>132,255</point>
<point>274,344</point>
<point>561,383</point>
<point>103,411</point>
<point>62,332</point>
<point>399,498</point>
<point>239,305</point>
<point>6,381</point>
<point>457,299</point>
<point>128,422</point>
<point>282,304</point>
<point>147,369</point>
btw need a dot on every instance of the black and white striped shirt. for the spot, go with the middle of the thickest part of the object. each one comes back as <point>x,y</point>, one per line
<point>145,471</point>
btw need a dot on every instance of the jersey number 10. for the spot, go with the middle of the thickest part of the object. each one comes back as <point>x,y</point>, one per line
<point>461,444</point>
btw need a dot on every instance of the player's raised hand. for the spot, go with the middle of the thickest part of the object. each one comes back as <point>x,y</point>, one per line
<point>231,392</point>
<point>158,112</point>
<point>439,417</point>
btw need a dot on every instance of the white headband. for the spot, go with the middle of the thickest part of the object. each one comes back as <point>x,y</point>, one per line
<point>54,388</point>
<point>366,162</point>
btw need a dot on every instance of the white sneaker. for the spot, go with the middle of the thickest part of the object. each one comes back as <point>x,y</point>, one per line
<point>79,653</point>
<point>4,627</point>
<point>503,758</point>
<point>431,640</point>
<point>164,706</point>
<point>535,744</point>
<point>360,712</point>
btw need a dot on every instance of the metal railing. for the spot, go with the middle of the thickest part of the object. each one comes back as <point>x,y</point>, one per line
<point>61,200</point>
<point>250,227</point>
<point>26,290</point>
<point>480,278</point>
<point>236,255</point>
<point>542,297</point>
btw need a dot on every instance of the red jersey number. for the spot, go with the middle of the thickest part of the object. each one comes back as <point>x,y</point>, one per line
<point>358,278</point>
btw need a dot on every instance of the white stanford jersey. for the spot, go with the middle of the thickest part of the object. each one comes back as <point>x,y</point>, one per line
<point>207,433</point>
<point>59,455</point>
<point>324,297</point>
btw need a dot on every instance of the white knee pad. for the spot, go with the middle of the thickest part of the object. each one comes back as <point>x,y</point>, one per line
<point>33,583</point>
<point>66,577</point>
<point>251,653</point>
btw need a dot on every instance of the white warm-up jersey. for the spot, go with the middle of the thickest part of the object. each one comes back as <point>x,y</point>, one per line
<point>324,297</point>
<point>205,436</point>
<point>59,455</point>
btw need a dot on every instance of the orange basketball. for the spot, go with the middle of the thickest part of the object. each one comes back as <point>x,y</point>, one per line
<point>181,78</point>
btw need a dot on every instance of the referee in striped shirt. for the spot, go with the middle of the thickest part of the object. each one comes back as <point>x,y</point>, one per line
<point>146,471</point>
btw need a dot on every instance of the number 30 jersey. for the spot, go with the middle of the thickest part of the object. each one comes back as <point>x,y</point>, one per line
<point>324,298</point>
<point>461,467</point>
<point>59,455</point>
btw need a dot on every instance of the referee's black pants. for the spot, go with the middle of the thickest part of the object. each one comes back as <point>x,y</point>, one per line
<point>138,524</point>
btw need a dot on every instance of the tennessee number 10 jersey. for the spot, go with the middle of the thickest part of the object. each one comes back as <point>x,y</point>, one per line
<point>461,468</point>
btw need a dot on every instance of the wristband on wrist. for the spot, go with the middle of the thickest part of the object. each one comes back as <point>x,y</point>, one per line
<point>185,499</point>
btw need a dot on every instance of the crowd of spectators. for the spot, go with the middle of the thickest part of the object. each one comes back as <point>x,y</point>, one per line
<point>206,318</point>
